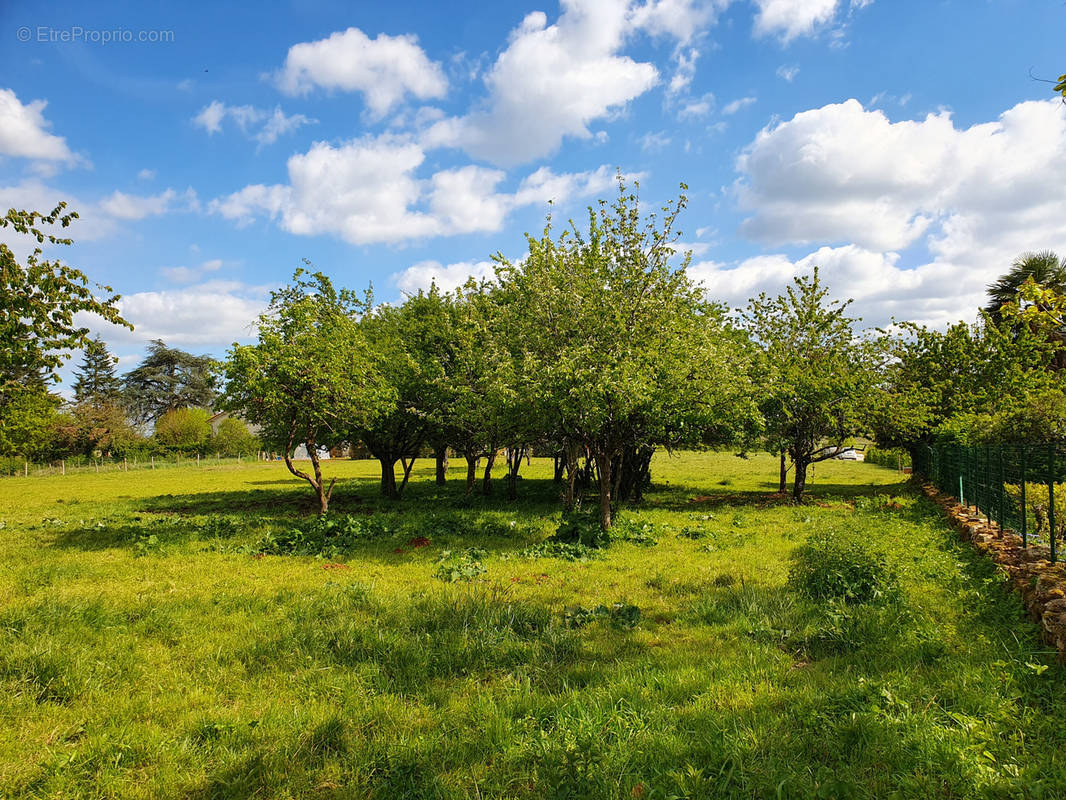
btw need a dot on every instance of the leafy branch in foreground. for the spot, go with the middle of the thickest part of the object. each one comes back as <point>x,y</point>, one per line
<point>40,301</point>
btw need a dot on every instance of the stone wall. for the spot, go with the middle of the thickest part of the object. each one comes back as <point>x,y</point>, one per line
<point>1041,584</point>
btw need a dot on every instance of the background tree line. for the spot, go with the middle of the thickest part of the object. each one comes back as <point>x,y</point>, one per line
<point>161,407</point>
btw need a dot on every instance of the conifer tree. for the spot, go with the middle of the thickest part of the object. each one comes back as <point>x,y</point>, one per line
<point>95,381</point>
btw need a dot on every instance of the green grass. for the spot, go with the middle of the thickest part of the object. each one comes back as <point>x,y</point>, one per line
<point>148,650</point>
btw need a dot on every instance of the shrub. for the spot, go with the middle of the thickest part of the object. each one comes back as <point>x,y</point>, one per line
<point>566,551</point>
<point>581,528</point>
<point>233,438</point>
<point>692,532</point>
<point>10,465</point>
<point>324,536</point>
<point>464,566</point>
<point>893,457</point>
<point>1037,503</point>
<point>184,429</point>
<point>219,526</point>
<point>839,629</point>
<point>836,565</point>
<point>627,530</point>
<point>621,616</point>
<point>148,544</point>
<point>578,527</point>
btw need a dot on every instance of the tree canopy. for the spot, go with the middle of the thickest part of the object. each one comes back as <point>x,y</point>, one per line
<point>95,382</point>
<point>618,347</point>
<point>1044,268</point>
<point>936,383</point>
<point>596,348</point>
<point>184,429</point>
<point>311,376</point>
<point>408,344</point>
<point>817,374</point>
<point>233,438</point>
<point>168,379</point>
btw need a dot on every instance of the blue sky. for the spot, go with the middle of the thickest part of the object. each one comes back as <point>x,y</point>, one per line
<point>902,146</point>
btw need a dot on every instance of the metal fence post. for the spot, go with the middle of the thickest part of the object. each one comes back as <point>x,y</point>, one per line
<point>988,483</point>
<point>1051,500</point>
<point>971,480</point>
<point>1000,491</point>
<point>962,479</point>
<point>1025,507</point>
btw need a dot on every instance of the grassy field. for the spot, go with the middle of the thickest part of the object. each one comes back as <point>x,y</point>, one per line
<point>148,647</point>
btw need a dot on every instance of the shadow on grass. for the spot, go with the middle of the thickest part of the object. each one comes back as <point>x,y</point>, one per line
<point>394,537</point>
<point>294,501</point>
<point>687,497</point>
<point>444,514</point>
<point>357,495</point>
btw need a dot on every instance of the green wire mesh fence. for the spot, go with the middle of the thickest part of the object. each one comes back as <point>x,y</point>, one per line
<point>1020,487</point>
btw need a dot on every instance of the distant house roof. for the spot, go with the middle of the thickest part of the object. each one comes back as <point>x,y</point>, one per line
<point>215,419</point>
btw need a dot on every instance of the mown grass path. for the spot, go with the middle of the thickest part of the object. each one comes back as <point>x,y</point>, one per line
<point>145,651</point>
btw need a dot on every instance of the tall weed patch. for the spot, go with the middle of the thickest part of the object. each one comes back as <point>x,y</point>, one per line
<point>841,565</point>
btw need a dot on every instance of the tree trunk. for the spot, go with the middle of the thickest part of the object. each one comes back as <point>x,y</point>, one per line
<point>559,464</point>
<point>407,467</point>
<point>441,456</point>
<point>632,473</point>
<point>603,467</point>
<point>799,481</point>
<point>617,471</point>
<point>323,493</point>
<point>514,462</point>
<point>569,495</point>
<point>486,483</point>
<point>471,472</point>
<point>388,477</point>
<point>782,485</point>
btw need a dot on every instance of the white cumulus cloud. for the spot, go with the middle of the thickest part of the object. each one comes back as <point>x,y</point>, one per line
<point>933,293</point>
<point>841,173</point>
<point>368,190</point>
<point>132,207</point>
<point>683,20</point>
<point>447,277</point>
<point>35,195</point>
<point>790,19</point>
<point>191,274</point>
<point>260,124</point>
<point>384,69</point>
<point>24,131</point>
<point>869,195</point>
<point>551,82</point>
<point>738,104</point>
<point>210,315</point>
<point>788,72</point>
